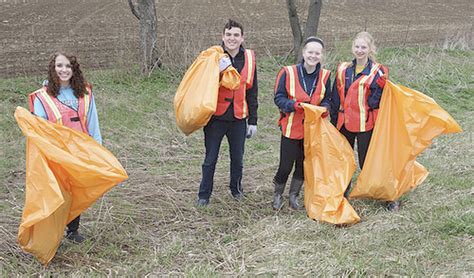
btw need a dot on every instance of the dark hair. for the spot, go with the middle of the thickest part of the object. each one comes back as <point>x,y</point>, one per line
<point>78,83</point>
<point>313,39</point>
<point>232,23</point>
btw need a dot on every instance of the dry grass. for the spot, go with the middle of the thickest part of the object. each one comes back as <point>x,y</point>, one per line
<point>149,225</point>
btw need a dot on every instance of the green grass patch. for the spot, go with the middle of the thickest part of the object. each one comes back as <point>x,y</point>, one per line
<point>149,225</point>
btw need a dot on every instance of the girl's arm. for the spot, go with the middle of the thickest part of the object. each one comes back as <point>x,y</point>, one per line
<point>335,103</point>
<point>39,109</point>
<point>326,102</point>
<point>93,122</point>
<point>376,89</point>
<point>281,96</point>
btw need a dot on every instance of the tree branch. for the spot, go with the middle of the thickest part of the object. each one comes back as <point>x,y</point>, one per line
<point>295,26</point>
<point>134,10</point>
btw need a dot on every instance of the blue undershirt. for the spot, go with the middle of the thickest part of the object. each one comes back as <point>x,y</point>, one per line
<point>66,96</point>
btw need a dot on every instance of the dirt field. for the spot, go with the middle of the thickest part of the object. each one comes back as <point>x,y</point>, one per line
<point>103,33</point>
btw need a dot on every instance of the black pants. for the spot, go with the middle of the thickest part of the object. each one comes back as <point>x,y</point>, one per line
<point>291,153</point>
<point>73,225</point>
<point>363,141</point>
<point>214,132</point>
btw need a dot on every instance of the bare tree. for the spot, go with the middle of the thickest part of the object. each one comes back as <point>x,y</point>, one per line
<point>146,13</point>
<point>314,12</point>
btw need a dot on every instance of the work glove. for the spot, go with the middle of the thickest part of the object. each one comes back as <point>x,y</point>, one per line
<point>382,80</point>
<point>224,63</point>
<point>326,113</point>
<point>298,107</point>
<point>251,131</point>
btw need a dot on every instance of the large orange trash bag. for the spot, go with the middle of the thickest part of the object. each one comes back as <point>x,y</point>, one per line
<point>196,98</point>
<point>328,167</point>
<point>66,171</point>
<point>407,123</point>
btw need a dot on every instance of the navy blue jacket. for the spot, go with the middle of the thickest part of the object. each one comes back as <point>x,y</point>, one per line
<point>375,90</point>
<point>285,104</point>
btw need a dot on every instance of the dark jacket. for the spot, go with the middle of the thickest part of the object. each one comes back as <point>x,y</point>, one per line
<point>375,90</point>
<point>285,104</point>
<point>251,94</point>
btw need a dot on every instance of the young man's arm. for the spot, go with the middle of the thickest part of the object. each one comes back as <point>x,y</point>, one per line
<point>252,101</point>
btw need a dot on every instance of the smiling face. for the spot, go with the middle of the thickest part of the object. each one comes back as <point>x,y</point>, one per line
<point>63,69</point>
<point>312,54</point>
<point>361,49</point>
<point>232,39</point>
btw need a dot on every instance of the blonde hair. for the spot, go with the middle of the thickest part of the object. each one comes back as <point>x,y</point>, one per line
<point>367,37</point>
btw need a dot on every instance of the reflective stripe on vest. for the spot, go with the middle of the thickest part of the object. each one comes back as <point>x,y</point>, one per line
<point>341,74</point>
<point>358,87</point>
<point>361,96</point>
<point>249,62</point>
<point>292,92</point>
<point>87,103</point>
<point>292,123</point>
<point>323,75</point>
<point>340,85</point>
<point>58,118</point>
<point>53,112</point>
<point>239,96</point>
<point>249,59</point>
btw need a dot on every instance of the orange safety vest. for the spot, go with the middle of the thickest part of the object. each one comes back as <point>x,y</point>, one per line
<point>57,112</point>
<point>238,97</point>
<point>292,123</point>
<point>354,111</point>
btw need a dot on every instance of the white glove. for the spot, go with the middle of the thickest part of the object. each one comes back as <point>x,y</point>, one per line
<point>224,63</point>
<point>251,130</point>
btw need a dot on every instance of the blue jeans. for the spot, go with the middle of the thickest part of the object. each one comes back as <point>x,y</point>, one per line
<point>214,132</point>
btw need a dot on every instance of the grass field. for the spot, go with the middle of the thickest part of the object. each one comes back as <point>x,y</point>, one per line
<point>149,225</point>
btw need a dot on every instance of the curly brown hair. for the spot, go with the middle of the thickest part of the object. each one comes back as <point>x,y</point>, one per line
<point>78,83</point>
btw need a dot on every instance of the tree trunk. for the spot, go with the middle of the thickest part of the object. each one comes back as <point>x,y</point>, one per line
<point>295,27</point>
<point>146,14</point>
<point>314,11</point>
<point>312,22</point>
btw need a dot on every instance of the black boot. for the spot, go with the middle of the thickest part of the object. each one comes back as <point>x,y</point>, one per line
<point>394,206</point>
<point>72,233</point>
<point>277,199</point>
<point>75,237</point>
<point>295,188</point>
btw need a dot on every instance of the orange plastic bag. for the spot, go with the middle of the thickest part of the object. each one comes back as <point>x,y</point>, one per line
<point>328,167</point>
<point>407,122</point>
<point>196,98</point>
<point>66,171</point>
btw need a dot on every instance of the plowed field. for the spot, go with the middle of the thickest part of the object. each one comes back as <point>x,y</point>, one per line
<point>104,33</point>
